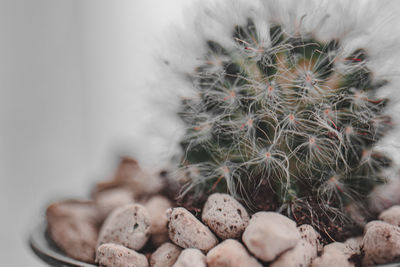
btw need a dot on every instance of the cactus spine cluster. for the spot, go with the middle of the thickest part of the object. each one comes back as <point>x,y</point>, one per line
<point>288,125</point>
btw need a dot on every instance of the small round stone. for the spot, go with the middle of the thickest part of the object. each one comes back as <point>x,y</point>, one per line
<point>191,257</point>
<point>231,253</point>
<point>72,225</point>
<point>391,215</point>
<point>269,234</point>
<point>304,252</point>
<point>165,255</point>
<point>372,223</point>
<point>128,226</point>
<point>157,207</point>
<point>225,216</point>
<point>111,199</point>
<point>113,255</point>
<point>381,244</point>
<point>187,231</point>
<point>333,255</point>
<point>354,244</point>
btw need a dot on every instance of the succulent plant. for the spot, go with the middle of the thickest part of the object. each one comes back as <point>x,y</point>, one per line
<point>284,120</point>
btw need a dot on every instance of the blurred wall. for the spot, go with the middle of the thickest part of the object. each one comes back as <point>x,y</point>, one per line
<point>72,80</point>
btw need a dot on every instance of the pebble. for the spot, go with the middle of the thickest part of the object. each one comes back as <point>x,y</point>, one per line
<point>269,234</point>
<point>79,209</point>
<point>127,169</point>
<point>165,255</point>
<point>304,252</point>
<point>381,244</point>
<point>391,215</point>
<point>157,207</point>
<point>354,244</point>
<point>334,254</point>
<point>230,253</point>
<point>187,231</point>
<point>225,216</point>
<point>372,223</point>
<point>128,226</point>
<point>72,225</point>
<point>191,257</point>
<point>113,255</point>
<point>145,183</point>
<point>111,199</point>
<point>131,177</point>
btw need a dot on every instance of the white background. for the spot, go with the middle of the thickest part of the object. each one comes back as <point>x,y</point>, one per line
<point>72,78</point>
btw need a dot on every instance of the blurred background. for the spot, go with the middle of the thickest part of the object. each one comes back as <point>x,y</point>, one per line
<point>73,88</point>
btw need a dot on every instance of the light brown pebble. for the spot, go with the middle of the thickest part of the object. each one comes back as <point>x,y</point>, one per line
<point>381,244</point>
<point>128,226</point>
<point>333,255</point>
<point>111,199</point>
<point>308,234</point>
<point>269,234</point>
<point>354,244</point>
<point>191,257</point>
<point>145,183</point>
<point>187,231</point>
<point>225,216</point>
<point>165,255</point>
<point>80,209</point>
<point>157,207</point>
<point>113,255</point>
<point>231,253</point>
<point>127,169</point>
<point>304,252</point>
<point>72,225</point>
<point>391,215</point>
<point>131,177</point>
<point>372,223</point>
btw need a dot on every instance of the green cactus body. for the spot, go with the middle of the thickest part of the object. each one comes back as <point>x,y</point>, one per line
<point>291,126</point>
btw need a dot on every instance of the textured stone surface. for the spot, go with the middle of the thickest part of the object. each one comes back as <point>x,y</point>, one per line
<point>391,215</point>
<point>113,255</point>
<point>381,244</point>
<point>269,234</point>
<point>165,255</point>
<point>128,226</point>
<point>304,252</point>
<point>225,216</point>
<point>191,257</point>
<point>354,244</point>
<point>230,253</point>
<point>187,231</point>
<point>334,255</point>
<point>372,223</point>
<point>72,225</point>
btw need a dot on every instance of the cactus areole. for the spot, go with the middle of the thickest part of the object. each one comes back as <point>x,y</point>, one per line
<point>289,124</point>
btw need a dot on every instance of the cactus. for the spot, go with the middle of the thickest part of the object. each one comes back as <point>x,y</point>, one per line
<point>285,122</point>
